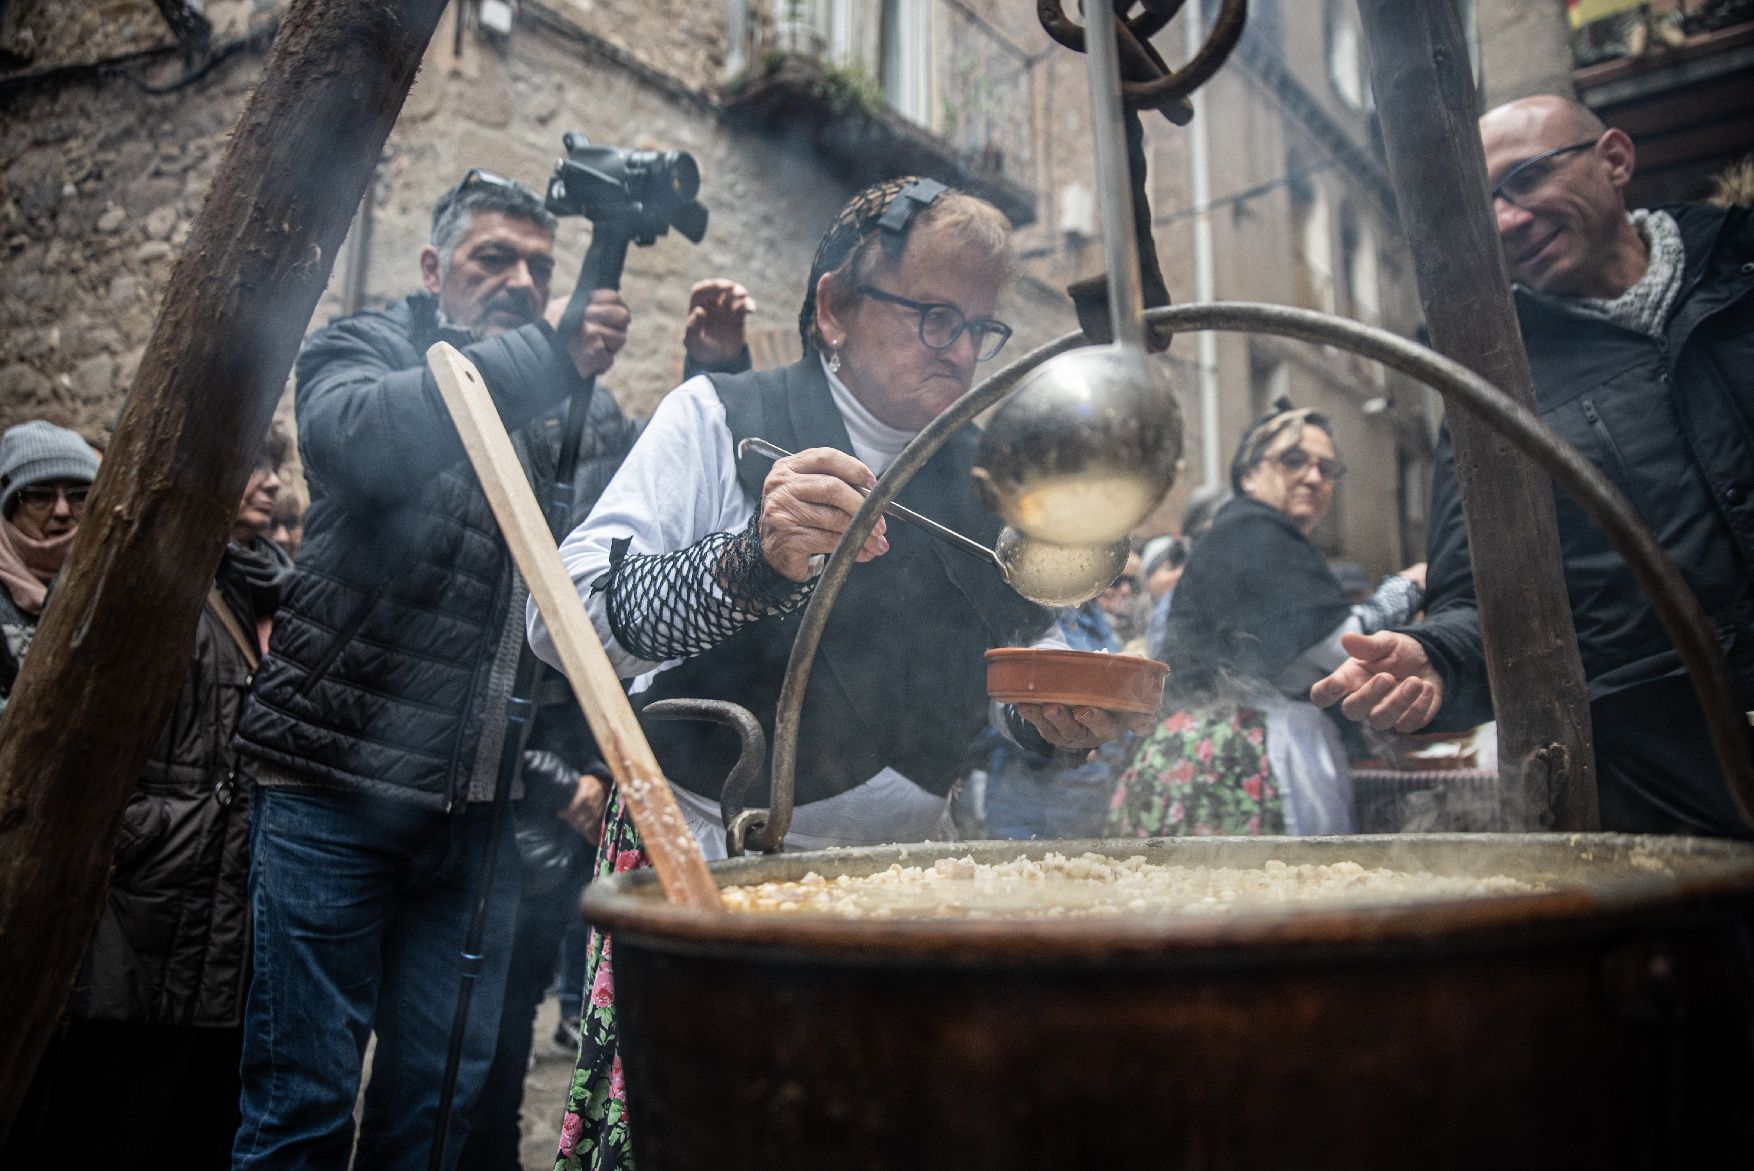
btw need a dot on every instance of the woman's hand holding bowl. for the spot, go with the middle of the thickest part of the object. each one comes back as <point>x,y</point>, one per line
<point>1082,727</point>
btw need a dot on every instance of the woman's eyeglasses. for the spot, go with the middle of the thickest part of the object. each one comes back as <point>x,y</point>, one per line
<point>1295,460</point>
<point>40,499</point>
<point>1529,176</point>
<point>941,324</point>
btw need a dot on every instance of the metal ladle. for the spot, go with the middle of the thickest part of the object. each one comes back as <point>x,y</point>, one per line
<point>1052,575</point>
<point>1091,440</point>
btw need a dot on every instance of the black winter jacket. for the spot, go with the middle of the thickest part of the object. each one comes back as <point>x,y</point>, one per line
<point>378,673</point>
<point>1671,422</point>
<point>172,945</point>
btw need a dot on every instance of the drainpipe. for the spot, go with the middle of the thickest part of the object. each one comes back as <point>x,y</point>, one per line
<point>736,39</point>
<point>1205,283</point>
<point>359,252</point>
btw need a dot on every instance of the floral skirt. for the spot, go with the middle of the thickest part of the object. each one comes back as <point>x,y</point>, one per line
<point>594,1132</point>
<point>1200,773</point>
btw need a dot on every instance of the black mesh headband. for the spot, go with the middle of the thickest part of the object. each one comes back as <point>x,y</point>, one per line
<point>889,208</point>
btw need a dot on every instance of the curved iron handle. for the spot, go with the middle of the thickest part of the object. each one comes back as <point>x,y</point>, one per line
<point>751,754</point>
<point>1682,616</point>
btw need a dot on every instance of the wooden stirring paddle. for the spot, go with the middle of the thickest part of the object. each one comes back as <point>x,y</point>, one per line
<point>673,851</point>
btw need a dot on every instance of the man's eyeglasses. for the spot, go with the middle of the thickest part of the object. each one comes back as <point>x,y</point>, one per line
<point>941,324</point>
<point>1295,459</point>
<point>1530,175</point>
<point>40,499</point>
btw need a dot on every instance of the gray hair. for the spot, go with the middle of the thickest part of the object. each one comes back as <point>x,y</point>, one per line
<point>456,210</point>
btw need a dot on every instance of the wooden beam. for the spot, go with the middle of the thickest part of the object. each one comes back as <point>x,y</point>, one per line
<point>674,853</point>
<point>109,658</point>
<point>1426,101</point>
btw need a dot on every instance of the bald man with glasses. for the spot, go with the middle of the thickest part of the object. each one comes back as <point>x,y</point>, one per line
<point>1639,328</point>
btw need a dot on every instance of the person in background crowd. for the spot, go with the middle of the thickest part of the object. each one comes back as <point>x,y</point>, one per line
<point>1639,329</point>
<point>153,1025</point>
<point>570,980</point>
<point>289,524</point>
<point>45,473</point>
<point>1257,618</point>
<point>694,559</point>
<point>1125,605</point>
<point>1734,185</point>
<point>1203,505</point>
<point>555,834</point>
<point>379,714</point>
<point>1202,510</point>
<point>1062,796</point>
<point>1165,558</point>
<point>1354,581</point>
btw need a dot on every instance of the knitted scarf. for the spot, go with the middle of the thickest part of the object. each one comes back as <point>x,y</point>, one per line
<point>1645,307</point>
<point>28,564</point>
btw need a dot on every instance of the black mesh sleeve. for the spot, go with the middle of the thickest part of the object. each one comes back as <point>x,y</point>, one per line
<point>675,605</point>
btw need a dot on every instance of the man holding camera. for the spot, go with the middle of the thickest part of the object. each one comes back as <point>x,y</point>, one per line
<point>378,717</point>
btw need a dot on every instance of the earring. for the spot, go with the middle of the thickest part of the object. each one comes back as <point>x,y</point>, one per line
<point>833,362</point>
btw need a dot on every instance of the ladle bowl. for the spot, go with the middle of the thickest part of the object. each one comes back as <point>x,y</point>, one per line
<point>1058,575</point>
<point>1084,449</point>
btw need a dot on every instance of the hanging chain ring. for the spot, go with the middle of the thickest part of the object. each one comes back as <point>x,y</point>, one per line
<point>1150,22</point>
<point>1147,83</point>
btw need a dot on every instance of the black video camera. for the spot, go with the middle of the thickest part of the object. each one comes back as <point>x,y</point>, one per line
<point>640,194</point>
<point>630,197</point>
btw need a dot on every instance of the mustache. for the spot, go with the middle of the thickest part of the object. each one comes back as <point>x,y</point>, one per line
<point>513,304</point>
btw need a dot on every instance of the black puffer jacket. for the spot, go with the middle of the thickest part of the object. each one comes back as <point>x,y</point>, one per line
<point>172,945</point>
<point>1670,420</point>
<point>377,677</point>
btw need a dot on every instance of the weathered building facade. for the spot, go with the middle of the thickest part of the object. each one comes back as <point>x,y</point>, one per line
<point>112,132</point>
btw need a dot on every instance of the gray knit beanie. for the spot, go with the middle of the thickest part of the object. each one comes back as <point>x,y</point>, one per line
<point>33,452</point>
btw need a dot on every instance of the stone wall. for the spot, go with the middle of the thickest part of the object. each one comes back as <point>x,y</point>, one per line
<point>506,105</point>
<point>98,184</point>
<point>1525,48</point>
<point>101,180</point>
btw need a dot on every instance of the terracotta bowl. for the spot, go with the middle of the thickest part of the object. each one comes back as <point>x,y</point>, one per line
<point>1123,683</point>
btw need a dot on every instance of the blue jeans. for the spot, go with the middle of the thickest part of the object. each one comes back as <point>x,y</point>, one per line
<point>1048,800</point>
<point>360,909</point>
<point>575,955</point>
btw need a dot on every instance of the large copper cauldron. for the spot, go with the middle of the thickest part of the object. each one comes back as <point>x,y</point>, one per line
<point>1607,1023</point>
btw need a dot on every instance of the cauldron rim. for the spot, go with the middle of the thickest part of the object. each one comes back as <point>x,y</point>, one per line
<point>1621,893</point>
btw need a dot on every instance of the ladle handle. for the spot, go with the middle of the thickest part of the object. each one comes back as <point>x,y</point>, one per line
<point>1114,191</point>
<point>646,794</point>
<point>948,535</point>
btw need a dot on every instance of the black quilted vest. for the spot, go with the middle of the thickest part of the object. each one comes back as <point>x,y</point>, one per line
<point>899,679</point>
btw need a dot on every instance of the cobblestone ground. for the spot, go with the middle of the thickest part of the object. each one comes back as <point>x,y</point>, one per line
<point>545,1092</point>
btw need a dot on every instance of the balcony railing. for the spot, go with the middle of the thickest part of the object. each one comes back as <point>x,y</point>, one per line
<point>986,95</point>
<point>1646,30</point>
<point>939,71</point>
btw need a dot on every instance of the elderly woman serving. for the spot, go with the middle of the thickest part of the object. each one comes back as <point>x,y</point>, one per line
<point>695,565</point>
